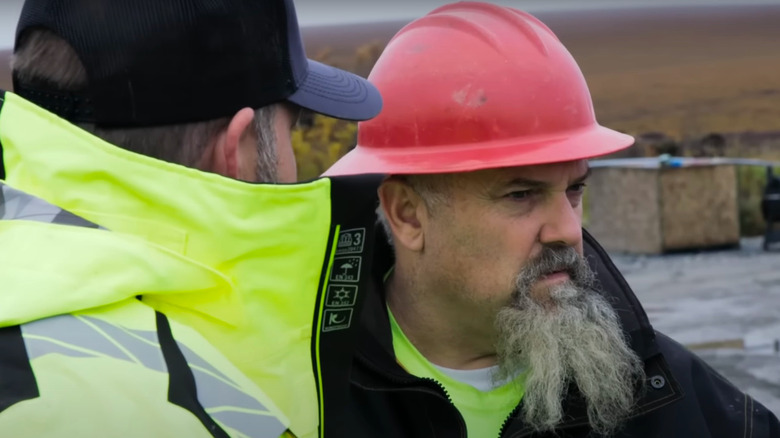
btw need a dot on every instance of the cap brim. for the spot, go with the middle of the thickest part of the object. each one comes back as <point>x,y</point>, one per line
<point>337,93</point>
<point>589,143</point>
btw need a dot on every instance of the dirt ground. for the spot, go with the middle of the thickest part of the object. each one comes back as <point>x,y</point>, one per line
<point>725,305</point>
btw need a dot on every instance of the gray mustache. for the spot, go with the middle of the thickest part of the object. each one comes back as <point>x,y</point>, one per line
<point>554,259</point>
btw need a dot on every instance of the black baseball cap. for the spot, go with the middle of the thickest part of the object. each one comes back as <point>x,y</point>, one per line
<point>157,62</point>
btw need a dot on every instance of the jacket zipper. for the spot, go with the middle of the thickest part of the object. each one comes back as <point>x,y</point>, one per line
<point>432,387</point>
<point>506,421</point>
<point>437,389</point>
<point>442,390</point>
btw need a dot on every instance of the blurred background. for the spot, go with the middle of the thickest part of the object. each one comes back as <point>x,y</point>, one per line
<point>686,78</point>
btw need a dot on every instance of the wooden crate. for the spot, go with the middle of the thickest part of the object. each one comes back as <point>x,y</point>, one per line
<point>652,210</point>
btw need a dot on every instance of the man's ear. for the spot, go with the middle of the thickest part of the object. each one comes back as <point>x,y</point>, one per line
<point>405,212</point>
<point>226,158</point>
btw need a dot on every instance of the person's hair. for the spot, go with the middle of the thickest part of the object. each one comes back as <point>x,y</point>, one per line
<point>433,189</point>
<point>44,60</point>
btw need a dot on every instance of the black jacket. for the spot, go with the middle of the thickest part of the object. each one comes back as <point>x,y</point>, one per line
<point>684,396</point>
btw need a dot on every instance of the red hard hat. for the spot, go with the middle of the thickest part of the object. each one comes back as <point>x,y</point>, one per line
<point>473,86</point>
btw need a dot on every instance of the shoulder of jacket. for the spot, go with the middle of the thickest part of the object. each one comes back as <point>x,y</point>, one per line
<point>721,405</point>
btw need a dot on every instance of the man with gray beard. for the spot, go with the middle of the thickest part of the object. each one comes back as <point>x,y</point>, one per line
<point>570,336</point>
<point>493,313</point>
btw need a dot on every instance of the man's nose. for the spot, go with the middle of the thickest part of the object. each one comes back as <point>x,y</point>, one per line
<point>562,222</point>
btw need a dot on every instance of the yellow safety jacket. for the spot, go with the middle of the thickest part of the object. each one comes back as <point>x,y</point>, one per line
<point>144,298</point>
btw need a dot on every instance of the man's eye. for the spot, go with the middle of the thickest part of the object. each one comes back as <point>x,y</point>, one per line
<point>520,194</point>
<point>577,188</point>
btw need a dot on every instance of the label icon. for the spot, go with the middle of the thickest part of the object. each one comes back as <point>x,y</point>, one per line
<point>351,241</point>
<point>338,319</point>
<point>341,295</point>
<point>346,269</point>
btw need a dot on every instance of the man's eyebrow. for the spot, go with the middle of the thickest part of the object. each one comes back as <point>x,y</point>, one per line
<point>535,184</point>
<point>530,183</point>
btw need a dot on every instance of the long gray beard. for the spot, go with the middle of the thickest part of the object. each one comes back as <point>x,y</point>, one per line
<point>575,337</point>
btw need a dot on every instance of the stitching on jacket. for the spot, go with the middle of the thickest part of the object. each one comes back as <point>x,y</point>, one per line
<point>661,402</point>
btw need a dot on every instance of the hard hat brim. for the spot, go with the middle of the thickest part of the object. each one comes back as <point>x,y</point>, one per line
<point>588,143</point>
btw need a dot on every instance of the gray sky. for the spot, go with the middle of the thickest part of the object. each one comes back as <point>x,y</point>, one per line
<point>314,12</point>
